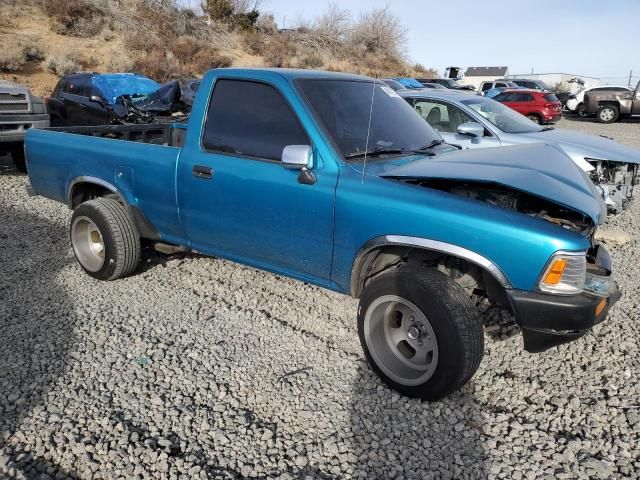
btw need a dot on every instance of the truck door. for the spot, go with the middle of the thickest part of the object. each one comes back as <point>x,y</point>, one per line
<point>235,197</point>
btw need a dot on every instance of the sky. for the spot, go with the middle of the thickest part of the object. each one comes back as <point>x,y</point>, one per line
<point>598,38</point>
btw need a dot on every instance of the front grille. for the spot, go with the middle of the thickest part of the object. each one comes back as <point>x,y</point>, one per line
<point>13,97</point>
<point>14,107</point>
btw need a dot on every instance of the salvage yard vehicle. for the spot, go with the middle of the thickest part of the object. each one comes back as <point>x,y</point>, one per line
<point>111,98</point>
<point>537,106</point>
<point>479,122</point>
<point>575,102</point>
<point>334,180</point>
<point>19,111</point>
<point>609,106</point>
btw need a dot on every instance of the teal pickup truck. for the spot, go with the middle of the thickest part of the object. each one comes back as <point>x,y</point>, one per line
<point>335,180</point>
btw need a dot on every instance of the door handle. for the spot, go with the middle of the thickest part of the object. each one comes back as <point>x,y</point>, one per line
<point>200,171</point>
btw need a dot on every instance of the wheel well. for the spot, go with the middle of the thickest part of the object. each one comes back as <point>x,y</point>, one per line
<point>609,103</point>
<point>472,277</point>
<point>83,192</point>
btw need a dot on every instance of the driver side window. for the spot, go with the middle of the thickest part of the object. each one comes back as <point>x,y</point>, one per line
<point>441,116</point>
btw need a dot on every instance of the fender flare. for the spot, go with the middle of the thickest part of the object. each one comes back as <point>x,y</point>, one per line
<point>424,244</point>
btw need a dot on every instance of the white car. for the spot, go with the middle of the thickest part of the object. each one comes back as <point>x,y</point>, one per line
<point>575,101</point>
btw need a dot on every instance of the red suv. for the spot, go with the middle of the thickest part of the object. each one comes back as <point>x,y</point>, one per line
<point>539,106</point>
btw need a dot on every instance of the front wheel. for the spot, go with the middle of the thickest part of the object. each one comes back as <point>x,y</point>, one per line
<point>18,157</point>
<point>420,332</point>
<point>105,241</point>
<point>581,110</point>
<point>608,114</point>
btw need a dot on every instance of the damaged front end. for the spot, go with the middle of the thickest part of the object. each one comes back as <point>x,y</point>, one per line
<point>616,182</point>
<point>165,104</point>
<point>553,190</point>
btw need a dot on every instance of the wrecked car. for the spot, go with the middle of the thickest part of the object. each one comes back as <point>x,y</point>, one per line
<point>113,98</point>
<point>609,106</point>
<point>332,179</point>
<point>477,122</point>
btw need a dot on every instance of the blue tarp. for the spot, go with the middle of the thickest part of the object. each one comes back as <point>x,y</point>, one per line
<point>409,82</point>
<point>113,85</point>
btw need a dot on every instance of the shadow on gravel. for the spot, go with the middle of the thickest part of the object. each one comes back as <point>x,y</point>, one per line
<point>36,332</point>
<point>399,437</point>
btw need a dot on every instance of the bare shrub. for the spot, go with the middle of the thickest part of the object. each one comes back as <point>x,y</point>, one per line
<point>119,62</point>
<point>63,64</point>
<point>11,58</point>
<point>32,51</point>
<point>267,24</point>
<point>280,51</point>
<point>255,42</point>
<point>81,18</point>
<point>378,32</point>
<point>312,60</point>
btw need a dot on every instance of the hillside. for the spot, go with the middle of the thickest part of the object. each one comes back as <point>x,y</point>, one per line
<point>44,39</point>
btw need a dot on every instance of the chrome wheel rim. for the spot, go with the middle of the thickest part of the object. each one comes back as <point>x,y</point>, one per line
<point>606,114</point>
<point>87,243</point>
<point>401,340</point>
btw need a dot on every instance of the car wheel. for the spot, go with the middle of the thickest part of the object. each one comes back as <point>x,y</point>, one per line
<point>105,241</point>
<point>608,114</point>
<point>18,157</point>
<point>420,332</point>
<point>581,110</point>
<point>534,117</point>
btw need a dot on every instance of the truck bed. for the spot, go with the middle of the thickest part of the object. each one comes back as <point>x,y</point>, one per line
<point>168,134</point>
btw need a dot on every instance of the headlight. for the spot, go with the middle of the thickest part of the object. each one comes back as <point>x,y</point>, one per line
<point>565,273</point>
<point>598,281</point>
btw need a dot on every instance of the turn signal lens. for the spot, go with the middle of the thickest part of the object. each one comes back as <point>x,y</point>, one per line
<point>565,274</point>
<point>555,272</point>
<point>600,307</point>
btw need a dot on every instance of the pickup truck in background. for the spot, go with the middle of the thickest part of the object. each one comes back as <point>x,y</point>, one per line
<point>19,111</point>
<point>609,106</point>
<point>333,179</point>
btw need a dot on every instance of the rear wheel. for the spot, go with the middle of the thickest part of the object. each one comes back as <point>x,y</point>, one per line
<point>105,241</point>
<point>420,332</point>
<point>534,117</point>
<point>581,110</point>
<point>608,114</point>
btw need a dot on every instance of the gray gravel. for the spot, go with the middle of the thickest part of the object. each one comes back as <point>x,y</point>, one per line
<point>200,368</point>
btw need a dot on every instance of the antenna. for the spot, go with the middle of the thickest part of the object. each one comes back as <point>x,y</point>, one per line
<point>366,145</point>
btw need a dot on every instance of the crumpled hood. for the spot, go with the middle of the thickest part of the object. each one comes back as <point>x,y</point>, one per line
<point>589,146</point>
<point>537,169</point>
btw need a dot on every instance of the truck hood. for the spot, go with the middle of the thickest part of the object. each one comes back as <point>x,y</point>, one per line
<point>537,169</point>
<point>588,146</point>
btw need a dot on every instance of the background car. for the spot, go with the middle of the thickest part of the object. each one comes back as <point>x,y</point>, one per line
<point>575,102</point>
<point>532,84</point>
<point>436,86</point>
<point>447,83</point>
<point>394,84</point>
<point>538,106</point>
<point>478,122</point>
<point>410,83</point>
<point>486,86</point>
<point>91,99</point>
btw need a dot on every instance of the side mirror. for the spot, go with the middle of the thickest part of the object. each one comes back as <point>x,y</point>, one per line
<point>97,99</point>
<point>472,129</point>
<point>297,157</point>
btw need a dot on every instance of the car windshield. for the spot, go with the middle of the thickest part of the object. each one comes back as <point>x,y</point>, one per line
<point>115,85</point>
<point>344,106</point>
<point>504,118</point>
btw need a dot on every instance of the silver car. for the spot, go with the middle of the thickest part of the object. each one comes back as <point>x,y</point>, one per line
<point>479,122</point>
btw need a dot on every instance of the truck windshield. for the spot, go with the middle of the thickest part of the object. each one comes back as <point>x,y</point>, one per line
<point>344,106</point>
<point>504,118</point>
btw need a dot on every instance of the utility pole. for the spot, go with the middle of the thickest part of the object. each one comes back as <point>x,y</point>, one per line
<point>630,75</point>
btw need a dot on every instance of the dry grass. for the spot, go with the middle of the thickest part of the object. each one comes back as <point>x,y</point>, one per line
<point>64,64</point>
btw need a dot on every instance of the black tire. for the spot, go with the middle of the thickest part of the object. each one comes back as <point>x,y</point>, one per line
<point>452,317</point>
<point>581,110</point>
<point>119,237</point>
<point>534,117</point>
<point>608,113</point>
<point>17,155</point>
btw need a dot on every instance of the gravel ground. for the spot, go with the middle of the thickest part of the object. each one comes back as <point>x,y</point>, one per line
<point>200,368</point>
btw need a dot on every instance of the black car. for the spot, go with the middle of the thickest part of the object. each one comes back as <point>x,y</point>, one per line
<point>110,98</point>
<point>447,83</point>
